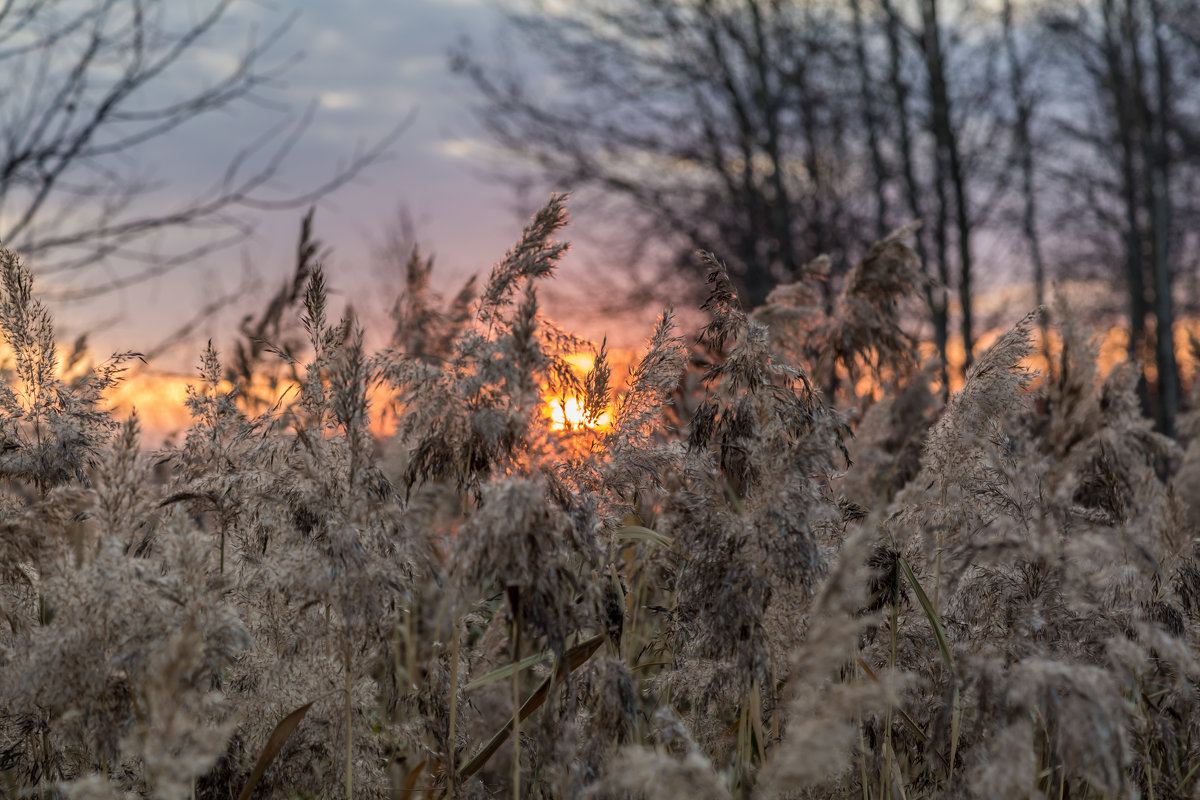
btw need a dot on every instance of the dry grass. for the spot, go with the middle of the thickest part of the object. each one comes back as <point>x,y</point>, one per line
<point>752,583</point>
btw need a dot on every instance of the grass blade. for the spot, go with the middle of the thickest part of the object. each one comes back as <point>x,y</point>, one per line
<point>1183,782</point>
<point>576,657</point>
<point>503,672</point>
<point>410,783</point>
<point>639,533</point>
<point>939,632</point>
<point>274,744</point>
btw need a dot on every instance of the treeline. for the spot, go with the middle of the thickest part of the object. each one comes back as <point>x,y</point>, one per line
<point>774,131</point>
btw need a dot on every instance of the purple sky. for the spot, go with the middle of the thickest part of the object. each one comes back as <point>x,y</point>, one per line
<point>367,64</point>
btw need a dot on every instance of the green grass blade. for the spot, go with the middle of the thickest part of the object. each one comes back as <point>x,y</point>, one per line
<point>639,533</point>
<point>1186,779</point>
<point>576,657</point>
<point>956,713</point>
<point>503,672</point>
<point>274,744</point>
<point>939,632</point>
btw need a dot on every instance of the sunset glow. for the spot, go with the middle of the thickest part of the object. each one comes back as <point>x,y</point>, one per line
<point>566,414</point>
<point>160,398</point>
<point>161,403</point>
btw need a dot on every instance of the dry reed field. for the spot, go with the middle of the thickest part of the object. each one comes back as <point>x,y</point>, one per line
<point>736,577</point>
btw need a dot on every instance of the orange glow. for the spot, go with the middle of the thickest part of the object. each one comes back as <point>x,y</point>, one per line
<point>866,386</point>
<point>159,400</point>
<point>582,362</point>
<point>566,414</point>
<point>1112,349</point>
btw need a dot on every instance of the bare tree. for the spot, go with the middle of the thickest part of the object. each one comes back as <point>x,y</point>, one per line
<point>900,92</point>
<point>870,118</point>
<point>724,126</point>
<point>775,130</point>
<point>1024,100</point>
<point>89,84</point>
<point>949,171</point>
<point>1159,173</point>
<point>1143,149</point>
<point>770,131</point>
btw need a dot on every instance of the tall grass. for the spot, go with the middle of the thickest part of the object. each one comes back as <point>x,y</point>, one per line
<point>753,583</point>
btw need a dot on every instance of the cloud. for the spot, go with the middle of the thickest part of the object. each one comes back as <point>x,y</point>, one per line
<point>464,148</point>
<point>341,100</point>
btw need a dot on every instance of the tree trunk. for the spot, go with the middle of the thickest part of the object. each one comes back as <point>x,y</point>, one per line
<point>1168,371</point>
<point>769,100</point>
<point>1023,142</point>
<point>1121,99</point>
<point>934,296</point>
<point>949,167</point>
<point>870,121</point>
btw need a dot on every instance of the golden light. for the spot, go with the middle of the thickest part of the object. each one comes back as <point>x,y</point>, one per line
<point>160,398</point>
<point>566,414</point>
<point>161,402</point>
<point>582,362</point>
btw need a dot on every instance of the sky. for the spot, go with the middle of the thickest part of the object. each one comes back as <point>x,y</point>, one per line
<point>365,66</point>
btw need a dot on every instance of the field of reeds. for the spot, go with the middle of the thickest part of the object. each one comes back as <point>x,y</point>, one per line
<point>734,577</point>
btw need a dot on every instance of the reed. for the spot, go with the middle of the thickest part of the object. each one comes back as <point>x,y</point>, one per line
<point>753,582</point>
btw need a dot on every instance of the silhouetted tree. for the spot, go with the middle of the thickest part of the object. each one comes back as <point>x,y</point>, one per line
<point>729,127</point>
<point>1142,148</point>
<point>771,131</point>
<point>88,85</point>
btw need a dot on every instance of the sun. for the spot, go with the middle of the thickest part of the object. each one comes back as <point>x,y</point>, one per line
<point>566,414</point>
